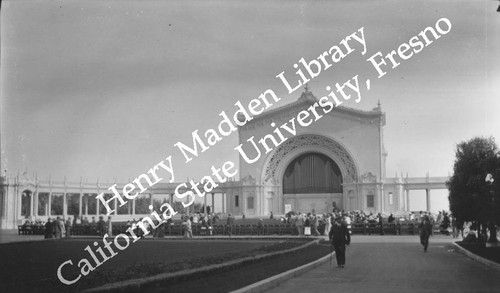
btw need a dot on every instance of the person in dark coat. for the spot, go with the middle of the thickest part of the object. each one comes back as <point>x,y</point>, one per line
<point>380,224</point>
<point>339,236</point>
<point>101,226</point>
<point>425,231</point>
<point>57,228</point>
<point>260,227</point>
<point>49,229</point>
<point>229,225</point>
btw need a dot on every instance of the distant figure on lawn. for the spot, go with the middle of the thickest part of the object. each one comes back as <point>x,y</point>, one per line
<point>94,229</point>
<point>315,224</point>
<point>63,228</point>
<point>328,225</point>
<point>57,228</point>
<point>381,224</point>
<point>188,231</point>
<point>260,227</point>
<point>101,226</point>
<point>229,225</point>
<point>299,223</point>
<point>339,236</point>
<point>307,225</point>
<point>425,227</point>
<point>109,225</point>
<point>390,220</point>
<point>67,226</point>
<point>49,233</point>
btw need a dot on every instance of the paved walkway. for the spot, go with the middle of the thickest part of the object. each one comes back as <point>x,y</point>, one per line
<point>398,264</point>
<point>7,236</point>
<point>384,264</point>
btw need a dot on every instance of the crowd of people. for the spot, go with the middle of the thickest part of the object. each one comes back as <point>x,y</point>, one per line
<point>314,224</point>
<point>320,224</point>
<point>59,227</point>
<point>205,223</point>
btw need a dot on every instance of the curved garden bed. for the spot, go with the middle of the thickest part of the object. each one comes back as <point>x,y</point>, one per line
<point>34,264</point>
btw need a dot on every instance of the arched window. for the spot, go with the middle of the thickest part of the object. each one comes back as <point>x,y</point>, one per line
<point>312,173</point>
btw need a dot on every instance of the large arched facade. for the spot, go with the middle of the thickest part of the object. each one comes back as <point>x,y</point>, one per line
<point>308,143</point>
<point>308,146</point>
<point>351,140</point>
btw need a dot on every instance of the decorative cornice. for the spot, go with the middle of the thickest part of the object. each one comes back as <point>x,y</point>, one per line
<point>284,113</point>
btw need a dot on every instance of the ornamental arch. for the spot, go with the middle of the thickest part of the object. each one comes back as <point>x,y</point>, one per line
<point>298,147</point>
<point>309,143</point>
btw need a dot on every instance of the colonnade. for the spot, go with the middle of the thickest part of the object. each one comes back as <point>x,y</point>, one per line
<point>406,200</point>
<point>34,209</point>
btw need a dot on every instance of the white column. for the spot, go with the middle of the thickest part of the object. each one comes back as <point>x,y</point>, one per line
<point>223,202</point>
<point>115,202</point>
<point>65,205</point>
<point>213,203</point>
<point>97,205</point>
<point>18,202</point>
<point>80,204</point>
<point>50,204</point>
<point>65,202</point>
<point>31,205</point>
<point>408,200</point>
<point>35,203</point>
<point>428,199</point>
<point>87,204</point>
<point>4,210</point>
<point>133,207</point>
<point>205,203</point>
<point>382,198</point>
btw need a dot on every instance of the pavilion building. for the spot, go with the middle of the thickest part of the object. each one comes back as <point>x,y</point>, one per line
<point>337,161</point>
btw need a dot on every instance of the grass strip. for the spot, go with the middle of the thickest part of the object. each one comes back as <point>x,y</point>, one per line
<point>139,276</point>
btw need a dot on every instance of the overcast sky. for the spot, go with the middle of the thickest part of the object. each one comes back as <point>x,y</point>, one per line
<point>99,89</point>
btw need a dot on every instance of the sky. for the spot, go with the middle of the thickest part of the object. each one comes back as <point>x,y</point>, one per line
<point>102,90</point>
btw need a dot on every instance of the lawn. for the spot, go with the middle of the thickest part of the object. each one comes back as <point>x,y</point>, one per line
<point>32,266</point>
<point>480,249</point>
<point>248,274</point>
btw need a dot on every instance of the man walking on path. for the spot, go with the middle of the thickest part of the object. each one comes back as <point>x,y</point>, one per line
<point>425,231</point>
<point>339,236</point>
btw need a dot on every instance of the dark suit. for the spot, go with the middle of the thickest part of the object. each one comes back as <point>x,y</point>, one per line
<point>48,230</point>
<point>57,229</point>
<point>425,231</point>
<point>339,236</point>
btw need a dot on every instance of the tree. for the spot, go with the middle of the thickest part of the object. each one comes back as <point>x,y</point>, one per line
<point>471,197</point>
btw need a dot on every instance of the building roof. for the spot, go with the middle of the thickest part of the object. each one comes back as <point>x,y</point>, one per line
<point>307,98</point>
